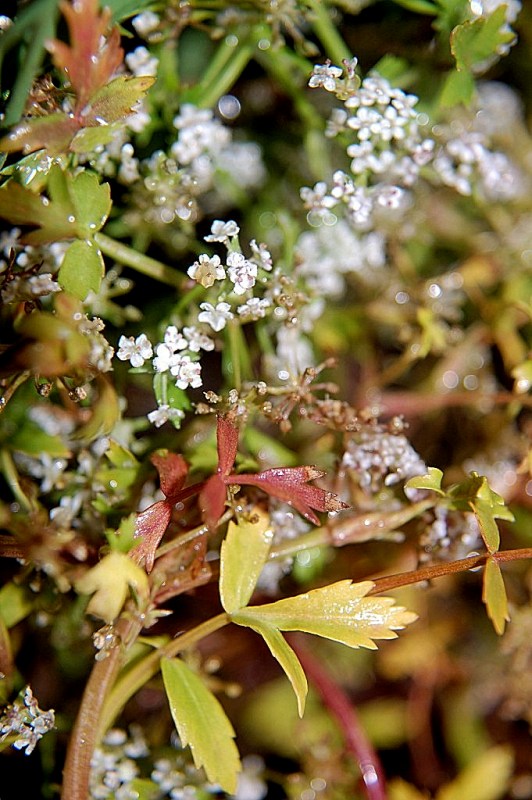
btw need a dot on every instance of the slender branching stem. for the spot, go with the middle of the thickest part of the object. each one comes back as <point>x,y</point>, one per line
<point>138,261</point>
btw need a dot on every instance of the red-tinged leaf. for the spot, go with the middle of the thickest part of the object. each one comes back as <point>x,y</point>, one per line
<point>212,501</point>
<point>172,471</point>
<point>227,443</point>
<point>94,53</point>
<point>53,132</point>
<point>291,485</point>
<point>116,100</point>
<point>151,525</point>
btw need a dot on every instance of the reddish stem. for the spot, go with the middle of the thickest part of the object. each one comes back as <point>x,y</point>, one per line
<point>341,707</point>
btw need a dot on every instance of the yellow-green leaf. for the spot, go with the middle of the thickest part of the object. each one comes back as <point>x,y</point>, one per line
<point>341,612</point>
<point>16,602</point>
<point>494,596</point>
<point>201,723</point>
<point>399,789</point>
<point>432,481</point>
<point>109,582</point>
<point>281,650</point>
<point>486,778</point>
<point>243,555</point>
<point>82,269</point>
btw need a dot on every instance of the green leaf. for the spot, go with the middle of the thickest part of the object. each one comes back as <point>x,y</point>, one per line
<point>88,139</point>
<point>201,723</point>
<point>340,612</point>
<point>15,603</point>
<point>123,539</point>
<point>82,269</point>
<point>243,555</point>
<point>475,494</point>
<point>167,393</point>
<point>109,583</point>
<point>115,101</point>
<point>459,87</point>
<point>431,481</point>
<point>281,650</point>
<point>91,201</point>
<point>487,778</point>
<point>494,596</point>
<point>418,6</point>
<point>475,41</point>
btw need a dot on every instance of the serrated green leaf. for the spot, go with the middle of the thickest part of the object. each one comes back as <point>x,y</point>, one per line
<point>487,778</point>
<point>243,555</point>
<point>340,612</point>
<point>82,269</point>
<point>123,539</point>
<point>281,650</point>
<point>477,40</point>
<point>494,596</point>
<point>115,101</point>
<point>88,139</point>
<point>431,481</point>
<point>15,603</point>
<point>201,723</point>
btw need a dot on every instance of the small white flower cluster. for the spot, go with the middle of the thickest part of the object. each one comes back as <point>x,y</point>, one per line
<point>364,206</point>
<point>451,536</point>
<point>115,768</point>
<point>326,258</point>
<point>389,138</point>
<point>25,285</point>
<point>380,459</point>
<point>25,721</point>
<point>466,163</point>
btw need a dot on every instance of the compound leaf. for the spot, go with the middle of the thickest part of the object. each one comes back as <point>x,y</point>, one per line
<point>494,596</point>
<point>341,612</point>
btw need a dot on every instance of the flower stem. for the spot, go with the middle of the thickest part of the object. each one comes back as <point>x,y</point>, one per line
<point>138,261</point>
<point>9,471</point>
<point>327,32</point>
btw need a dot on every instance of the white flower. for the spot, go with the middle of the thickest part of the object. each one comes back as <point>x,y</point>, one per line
<point>174,339</point>
<point>197,341</point>
<point>206,270</point>
<point>141,62</point>
<point>215,316</point>
<point>164,413</point>
<point>325,75</point>
<point>164,359</point>
<point>222,231</point>
<point>136,351</point>
<point>254,308</point>
<point>261,255</point>
<point>42,284</point>
<point>145,23</point>
<point>187,372</point>
<point>241,272</point>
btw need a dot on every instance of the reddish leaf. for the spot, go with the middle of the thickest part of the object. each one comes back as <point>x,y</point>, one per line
<point>227,442</point>
<point>172,471</point>
<point>54,132</point>
<point>212,501</point>
<point>94,53</point>
<point>151,525</point>
<point>116,100</point>
<point>290,484</point>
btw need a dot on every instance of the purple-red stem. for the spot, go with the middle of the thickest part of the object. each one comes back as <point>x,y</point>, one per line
<point>341,707</point>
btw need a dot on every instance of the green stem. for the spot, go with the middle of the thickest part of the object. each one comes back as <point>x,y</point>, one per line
<point>327,33</point>
<point>138,261</point>
<point>9,471</point>
<point>135,678</point>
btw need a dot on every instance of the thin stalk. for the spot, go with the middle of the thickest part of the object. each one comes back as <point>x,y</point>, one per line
<point>17,381</point>
<point>327,32</point>
<point>86,732</point>
<point>397,581</point>
<point>138,261</point>
<point>342,709</point>
<point>224,69</point>
<point>135,678</point>
<point>9,471</point>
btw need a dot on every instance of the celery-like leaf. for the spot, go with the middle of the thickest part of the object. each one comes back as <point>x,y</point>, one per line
<point>494,596</point>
